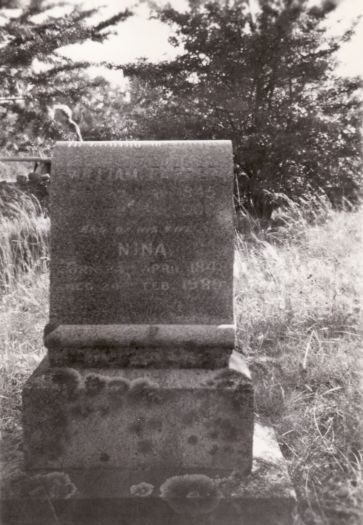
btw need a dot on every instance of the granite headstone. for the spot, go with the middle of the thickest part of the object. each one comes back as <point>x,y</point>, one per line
<point>142,246</point>
<point>142,232</point>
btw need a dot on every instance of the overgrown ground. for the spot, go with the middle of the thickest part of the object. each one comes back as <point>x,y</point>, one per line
<point>298,306</point>
<point>299,313</point>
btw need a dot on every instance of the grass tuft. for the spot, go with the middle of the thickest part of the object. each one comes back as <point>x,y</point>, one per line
<point>24,240</point>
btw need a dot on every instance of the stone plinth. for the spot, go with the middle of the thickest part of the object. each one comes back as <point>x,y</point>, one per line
<point>106,496</point>
<point>134,418</point>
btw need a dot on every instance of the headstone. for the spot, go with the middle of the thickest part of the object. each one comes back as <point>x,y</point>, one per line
<point>142,402</point>
<point>142,233</point>
<point>142,247</point>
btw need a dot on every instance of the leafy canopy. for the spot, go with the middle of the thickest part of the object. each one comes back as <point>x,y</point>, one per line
<point>35,37</point>
<point>266,82</point>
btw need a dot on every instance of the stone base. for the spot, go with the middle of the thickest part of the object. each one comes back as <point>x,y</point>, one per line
<point>137,446</point>
<point>132,418</point>
<point>116,496</point>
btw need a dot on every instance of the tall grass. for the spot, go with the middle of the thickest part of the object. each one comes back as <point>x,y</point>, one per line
<point>299,317</point>
<point>299,286</point>
<point>24,239</point>
<point>23,315</point>
<point>24,236</point>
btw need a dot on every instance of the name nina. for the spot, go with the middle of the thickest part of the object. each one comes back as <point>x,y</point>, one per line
<point>143,249</point>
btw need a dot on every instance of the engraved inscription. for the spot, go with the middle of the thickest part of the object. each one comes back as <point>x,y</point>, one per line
<point>142,233</point>
<point>131,249</point>
<point>166,268</point>
<point>202,284</point>
<point>93,229</point>
<point>154,286</point>
<point>96,230</point>
<point>101,175</point>
<point>203,266</point>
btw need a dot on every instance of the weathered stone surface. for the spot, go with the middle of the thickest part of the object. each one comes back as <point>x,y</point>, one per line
<point>106,496</point>
<point>180,346</point>
<point>142,335</point>
<point>183,356</point>
<point>139,419</point>
<point>142,233</point>
<point>148,419</point>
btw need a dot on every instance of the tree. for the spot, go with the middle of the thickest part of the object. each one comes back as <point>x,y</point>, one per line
<point>106,114</point>
<point>267,83</point>
<point>37,36</point>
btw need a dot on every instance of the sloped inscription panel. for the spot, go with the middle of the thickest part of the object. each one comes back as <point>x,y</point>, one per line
<point>142,232</point>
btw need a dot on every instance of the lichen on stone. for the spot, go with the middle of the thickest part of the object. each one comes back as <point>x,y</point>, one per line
<point>155,424</point>
<point>104,457</point>
<point>67,380</point>
<point>191,494</point>
<point>142,389</point>
<point>228,431</point>
<point>142,490</point>
<point>95,383</point>
<point>104,410</point>
<point>46,421</point>
<point>117,389</point>
<point>145,446</point>
<point>213,450</point>
<point>137,426</point>
<point>52,485</point>
<point>190,417</point>
<point>120,385</point>
<point>82,409</point>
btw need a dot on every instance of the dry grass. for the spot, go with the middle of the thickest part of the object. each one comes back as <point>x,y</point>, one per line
<point>10,170</point>
<point>23,315</point>
<point>24,236</point>
<point>299,313</point>
<point>298,308</point>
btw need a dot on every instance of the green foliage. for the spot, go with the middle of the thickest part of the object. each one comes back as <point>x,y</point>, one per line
<point>266,83</point>
<point>35,74</point>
